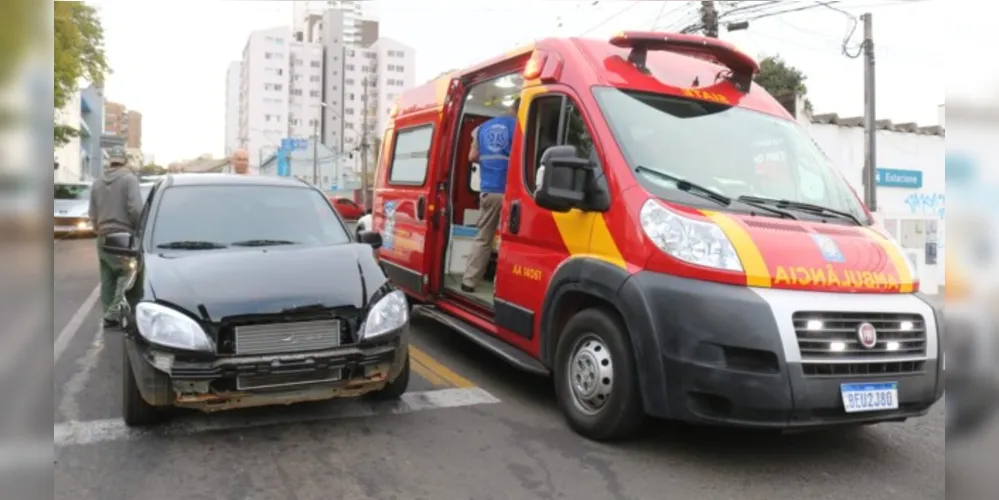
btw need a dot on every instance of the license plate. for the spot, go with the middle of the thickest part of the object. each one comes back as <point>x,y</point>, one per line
<point>877,396</point>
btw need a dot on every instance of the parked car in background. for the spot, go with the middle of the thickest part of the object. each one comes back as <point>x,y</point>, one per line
<point>223,314</point>
<point>347,208</point>
<point>72,209</point>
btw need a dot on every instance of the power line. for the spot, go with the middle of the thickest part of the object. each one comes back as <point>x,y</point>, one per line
<point>611,18</point>
<point>660,14</point>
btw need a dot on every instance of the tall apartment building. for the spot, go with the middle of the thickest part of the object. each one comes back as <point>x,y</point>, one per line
<point>329,74</point>
<point>134,126</point>
<point>280,93</point>
<point>115,119</point>
<point>232,80</point>
<point>123,123</point>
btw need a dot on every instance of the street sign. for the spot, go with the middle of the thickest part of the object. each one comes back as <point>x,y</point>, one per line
<point>283,169</point>
<point>294,143</point>
<point>888,177</point>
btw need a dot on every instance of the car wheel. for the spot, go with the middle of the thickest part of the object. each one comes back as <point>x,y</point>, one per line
<point>596,380</point>
<point>396,388</point>
<point>135,410</point>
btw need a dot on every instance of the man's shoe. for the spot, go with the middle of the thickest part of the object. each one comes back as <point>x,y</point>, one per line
<point>467,289</point>
<point>109,323</point>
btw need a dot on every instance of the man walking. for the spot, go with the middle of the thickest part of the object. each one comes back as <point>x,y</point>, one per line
<point>491,143</point>
<point>115,206</point>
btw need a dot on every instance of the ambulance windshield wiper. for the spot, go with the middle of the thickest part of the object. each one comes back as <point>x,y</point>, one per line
<point>804,207</point>
<point>687,186</point>
<point>690,187</point>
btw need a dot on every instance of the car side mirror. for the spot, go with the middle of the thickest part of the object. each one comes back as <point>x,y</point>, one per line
<point>564,181</point>
<point>119,244</point>
<point>373,238</point>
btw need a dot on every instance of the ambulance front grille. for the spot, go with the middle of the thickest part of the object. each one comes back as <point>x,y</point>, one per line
<point>830,341</point>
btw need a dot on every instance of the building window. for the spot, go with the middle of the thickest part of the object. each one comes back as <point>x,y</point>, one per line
<point>313,93</point>
<point>296,78</point>
<point>315,64</point>
<point>349,67</point>
<point>348,81</point>
<point>314,78</point>
<point>348,111</point>
<point>410,155</point>
<point>296,91</point>
<point>350,97</point>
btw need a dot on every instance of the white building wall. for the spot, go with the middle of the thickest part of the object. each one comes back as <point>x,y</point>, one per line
<point>909,214</point>
<point>264,93</point>
<point>306,90</point>
<point>232,81</point>
<point>69,155</point>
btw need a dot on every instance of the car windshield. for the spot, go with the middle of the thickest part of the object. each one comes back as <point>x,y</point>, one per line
<point>72,192</point>
<point>225,215</point>
<point>732,151</point>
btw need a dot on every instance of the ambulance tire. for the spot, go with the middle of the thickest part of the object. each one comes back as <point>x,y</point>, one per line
<point>619,417</point>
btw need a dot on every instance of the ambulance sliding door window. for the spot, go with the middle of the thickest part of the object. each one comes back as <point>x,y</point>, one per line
<point>410,156</point>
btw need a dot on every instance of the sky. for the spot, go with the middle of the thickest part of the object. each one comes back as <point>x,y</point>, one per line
<point>169,58</point>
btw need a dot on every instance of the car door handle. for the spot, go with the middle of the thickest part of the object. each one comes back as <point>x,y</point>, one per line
<point>513,223</point>
<point>421,207</point>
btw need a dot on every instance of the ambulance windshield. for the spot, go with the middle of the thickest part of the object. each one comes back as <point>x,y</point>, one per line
<point>733,151</point>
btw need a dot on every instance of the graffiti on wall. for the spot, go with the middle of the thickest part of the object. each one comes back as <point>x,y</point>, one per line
<point>927,204</point>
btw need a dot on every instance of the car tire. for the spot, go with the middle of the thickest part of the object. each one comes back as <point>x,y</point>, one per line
<point>136,412</point>
<point>396,388</point>
<point>600,398</point>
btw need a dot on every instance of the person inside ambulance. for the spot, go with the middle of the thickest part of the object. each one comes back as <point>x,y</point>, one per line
<point>491,143</point>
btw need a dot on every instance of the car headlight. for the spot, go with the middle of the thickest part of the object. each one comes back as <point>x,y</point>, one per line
<point>697,242</point>
<point>388,314</point>
<point>171,328</point>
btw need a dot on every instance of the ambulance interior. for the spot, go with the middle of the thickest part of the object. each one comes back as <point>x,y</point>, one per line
<point>484,101</point>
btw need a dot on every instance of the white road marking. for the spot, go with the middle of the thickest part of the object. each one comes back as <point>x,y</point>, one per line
<point>68,406</point>
<point>71,328</point>
<point>99,431</point>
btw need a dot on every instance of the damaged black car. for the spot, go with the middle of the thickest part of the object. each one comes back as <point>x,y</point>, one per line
<point>251,291</point>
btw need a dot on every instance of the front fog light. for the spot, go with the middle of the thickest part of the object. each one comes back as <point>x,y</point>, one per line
<point>694,241</point>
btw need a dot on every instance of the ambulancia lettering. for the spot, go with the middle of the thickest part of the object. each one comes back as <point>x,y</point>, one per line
<point>828,276</point>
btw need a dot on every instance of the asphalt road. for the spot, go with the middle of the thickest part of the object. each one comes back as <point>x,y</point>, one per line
<point>471,428</point>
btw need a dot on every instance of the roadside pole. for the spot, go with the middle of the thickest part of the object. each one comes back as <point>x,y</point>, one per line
<point>870,118</point>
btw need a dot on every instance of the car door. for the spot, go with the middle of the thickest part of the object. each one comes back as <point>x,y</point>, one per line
<point>533,243</point>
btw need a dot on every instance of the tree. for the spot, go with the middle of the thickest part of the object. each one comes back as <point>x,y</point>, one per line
<point>21,25</point>
<point>152,169</point>
<point>78,53</point>
<point>780,78</point>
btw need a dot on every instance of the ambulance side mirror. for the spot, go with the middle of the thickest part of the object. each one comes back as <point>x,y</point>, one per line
<point>564,181</point>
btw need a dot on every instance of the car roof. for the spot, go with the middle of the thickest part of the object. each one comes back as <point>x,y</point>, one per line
<point>232,180</point>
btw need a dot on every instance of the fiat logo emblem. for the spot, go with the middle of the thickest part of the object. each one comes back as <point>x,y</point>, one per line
<point>867,335</point>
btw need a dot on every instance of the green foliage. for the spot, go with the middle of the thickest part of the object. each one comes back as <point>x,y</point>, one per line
<point>20,27</point>
<point>780,78</point>
<point>152,169</point>
<point>78,53</point>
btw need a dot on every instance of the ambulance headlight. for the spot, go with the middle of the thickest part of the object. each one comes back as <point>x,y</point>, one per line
<point>693,241</point>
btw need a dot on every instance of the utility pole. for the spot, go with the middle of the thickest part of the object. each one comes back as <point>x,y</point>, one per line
<point>870,118</point>
<point>365,104</point>
<point>709,18</point>
<point>315,154</point>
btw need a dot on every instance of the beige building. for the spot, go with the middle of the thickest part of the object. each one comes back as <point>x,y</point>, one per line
<point>134,130</point>
<point>121,122</point>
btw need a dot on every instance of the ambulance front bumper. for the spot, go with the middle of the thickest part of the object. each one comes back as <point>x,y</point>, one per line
<point>768,358</point>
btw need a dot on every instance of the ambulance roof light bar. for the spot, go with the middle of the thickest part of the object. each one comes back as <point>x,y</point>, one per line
<point>742,67</point>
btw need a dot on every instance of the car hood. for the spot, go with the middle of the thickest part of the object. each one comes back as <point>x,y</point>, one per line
<point>817,256</point>
<point>71,208</point>
<point>271,280</point>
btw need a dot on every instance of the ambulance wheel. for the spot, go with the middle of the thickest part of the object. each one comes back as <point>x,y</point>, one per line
<point>596,380</point>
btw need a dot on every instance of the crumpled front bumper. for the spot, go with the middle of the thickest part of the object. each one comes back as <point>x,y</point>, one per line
<point>230,382</point>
